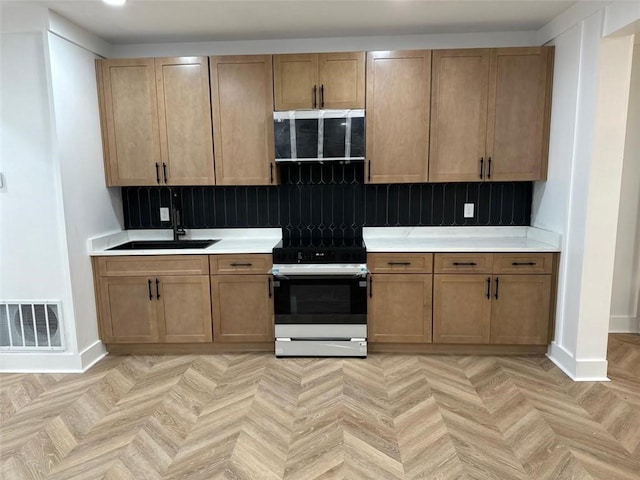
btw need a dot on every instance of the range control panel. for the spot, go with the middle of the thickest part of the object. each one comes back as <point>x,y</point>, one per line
<point>320,255</point>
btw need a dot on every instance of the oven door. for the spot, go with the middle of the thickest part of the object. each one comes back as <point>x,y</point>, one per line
<point>320,306</point>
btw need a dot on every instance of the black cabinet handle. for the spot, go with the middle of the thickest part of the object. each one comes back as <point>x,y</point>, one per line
<point>157,172</point>
<point>271,173</point>
<point>515,264</point>
<point>489,169</point>
<point>314,96</point>
<point>164,171</point>
<point>149,286</point>
<point>471,264</point>
<point>399,263</point>
<point>481,167</point>
<point>370,286</point>
<point>369,174</point>
<point>269,288</point>
<point>157,289</point>
<point>322,96</point>
<point>497,285</point>
<point>488,288</point>
<point>241,264</point>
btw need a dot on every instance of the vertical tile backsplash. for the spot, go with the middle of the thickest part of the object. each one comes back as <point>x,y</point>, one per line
<point>332,197</point>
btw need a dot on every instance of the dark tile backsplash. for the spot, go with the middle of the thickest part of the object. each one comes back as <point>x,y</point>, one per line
<point>317,199</point>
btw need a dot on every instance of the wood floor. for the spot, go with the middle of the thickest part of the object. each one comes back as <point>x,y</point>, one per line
<point>387,417</point>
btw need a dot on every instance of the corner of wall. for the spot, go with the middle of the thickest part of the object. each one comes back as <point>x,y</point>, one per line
<point>576,369</point>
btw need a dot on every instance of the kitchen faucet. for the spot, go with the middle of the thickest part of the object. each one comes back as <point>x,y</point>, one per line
<point>178,231</point>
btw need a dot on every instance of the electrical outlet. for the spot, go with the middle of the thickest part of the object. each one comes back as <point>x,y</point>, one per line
<point>468,210</point>
<point>164,214</point>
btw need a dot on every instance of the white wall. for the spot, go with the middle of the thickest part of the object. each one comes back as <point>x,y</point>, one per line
<point>626,280</point>
<point>90,208</point>
<point>580,199</point>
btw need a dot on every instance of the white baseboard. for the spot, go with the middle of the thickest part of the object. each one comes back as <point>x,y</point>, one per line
<point>578,370</point>
<point>92,355</point>
<point>624,324</point>
<point>51,362</point>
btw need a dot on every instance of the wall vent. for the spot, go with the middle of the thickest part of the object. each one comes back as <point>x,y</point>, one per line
<point>28,326</point>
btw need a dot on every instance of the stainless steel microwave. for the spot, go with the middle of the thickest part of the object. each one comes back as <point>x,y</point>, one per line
<point>319,135</point>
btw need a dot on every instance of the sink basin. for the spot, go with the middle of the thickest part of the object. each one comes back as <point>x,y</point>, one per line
<point>163,244</point>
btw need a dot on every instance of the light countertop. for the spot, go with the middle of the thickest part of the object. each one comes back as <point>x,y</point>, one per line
<point>460,239</point>
<point>232,240</point>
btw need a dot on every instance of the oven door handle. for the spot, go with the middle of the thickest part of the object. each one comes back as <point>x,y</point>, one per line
<point>279,276</point>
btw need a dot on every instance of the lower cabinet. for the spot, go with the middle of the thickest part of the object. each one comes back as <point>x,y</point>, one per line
<point>461,309</point>
<point>242,298</point>
<point>155,309</point>
<point>489,307</point>
<point>242,308</point>
<point>400,291</point>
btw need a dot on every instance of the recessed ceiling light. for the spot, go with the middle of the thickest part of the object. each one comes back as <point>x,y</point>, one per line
<point>115,3</point>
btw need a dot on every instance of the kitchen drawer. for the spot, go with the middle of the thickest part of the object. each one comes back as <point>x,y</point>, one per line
<point>238,264</point>
<point>400,262</point>
<point>144,265</point>
<point>463,262</point>
<point>525,263</point>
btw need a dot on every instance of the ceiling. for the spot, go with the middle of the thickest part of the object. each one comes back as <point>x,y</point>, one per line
<point>159,21</point>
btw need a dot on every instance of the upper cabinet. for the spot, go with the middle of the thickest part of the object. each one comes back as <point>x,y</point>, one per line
<point>241,93</point>
<point>397,126</point>
<point>156,121</point>
<point>490,114</point>
<point>319,80</point>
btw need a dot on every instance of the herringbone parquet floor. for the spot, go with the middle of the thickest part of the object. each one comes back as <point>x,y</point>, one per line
<point>387,417</point>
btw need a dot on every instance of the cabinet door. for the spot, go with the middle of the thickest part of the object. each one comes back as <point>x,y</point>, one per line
<point>128,310</point>
<point>399,309</point>
<point>458,115</point>
<point>184,308</point>
<point>519,106</point>
<point>295,81</point>
<point>184,111</point>
<point>130,116</point>
<point>461,308</point>
<point>398,92</point>
<point>242,308</point>
<point>520,309</point>
<point>241,89</point>
<point>341,78</point>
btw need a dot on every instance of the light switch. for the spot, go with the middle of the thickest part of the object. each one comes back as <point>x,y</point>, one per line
<point>468,210</point>
<point>164,214</point>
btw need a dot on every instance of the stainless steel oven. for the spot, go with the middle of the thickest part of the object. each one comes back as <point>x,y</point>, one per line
<point>320,309</point>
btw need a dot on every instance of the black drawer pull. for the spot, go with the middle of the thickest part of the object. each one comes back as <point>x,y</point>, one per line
<point>489,169</point>
<point>516,264</point>
<point>481,167</point>
<point>314,96</point>
<point>241,264</point>
<point>157,289</point>
<point>370,286</point>
<point>399,263</point>
<point>164,172</point>
<point>321,96</point>
<point>469,264</point>
<point>157,172</point>
<point>149,285</point>
<point>497,285</point>
<point>488,288</point>
<point>269,288</point>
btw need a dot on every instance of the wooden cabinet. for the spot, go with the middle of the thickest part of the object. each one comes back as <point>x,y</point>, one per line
<point>242,308</point>
<point>399,308</point>
<point>507,302</point>
<point>156,121</point>
<point>319,80</point>
<point>520,309</point>
<point>129,118</point>
<point>242,298</point>
<point>184,111</point>
<point>397,127</point>
<point>490,114</point>
<point>242,97</point>
<point>153,301</point>
<point>461,308</point>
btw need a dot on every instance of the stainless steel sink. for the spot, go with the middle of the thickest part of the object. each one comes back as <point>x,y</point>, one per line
<point>164,244</point>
